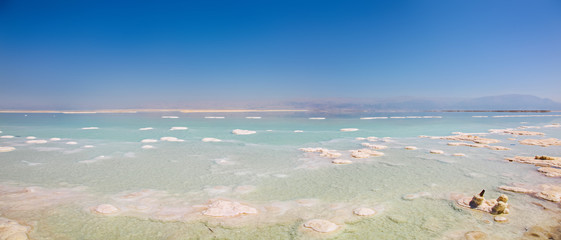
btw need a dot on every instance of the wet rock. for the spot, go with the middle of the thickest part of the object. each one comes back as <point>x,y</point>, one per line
<point>499,208</point>
<point>320,225</point>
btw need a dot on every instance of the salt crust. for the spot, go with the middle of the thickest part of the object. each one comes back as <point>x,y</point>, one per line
<point>224,208</point>
<point>171,139</point>
<point>211,140</point>
<point>12,230</point>
<point>320,225</point>
<point>348,129</point>
<point>7,149</point>
<point>243,132</point>
<point>178,128</point>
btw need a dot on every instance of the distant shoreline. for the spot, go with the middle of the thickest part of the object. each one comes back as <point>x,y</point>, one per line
<point>154,111</point>
<point>532,111</point>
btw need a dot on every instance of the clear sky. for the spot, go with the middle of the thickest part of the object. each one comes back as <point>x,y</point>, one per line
<point>58,54</point>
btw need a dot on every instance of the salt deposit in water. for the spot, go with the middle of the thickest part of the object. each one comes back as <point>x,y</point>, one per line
<point>211,140</point>
<point>225,208</point>
<point>171,139</point>
<point>90,128</point>
<point>37,141</point>
<point>348,129</point>
<point>145,129</point>
<point>148,140</point>
<point>170,117</point>
<point>7,149</point>
<point>243,132</point>
<point>321,225</point>
<point>178,128</point>
<point>7,136</point>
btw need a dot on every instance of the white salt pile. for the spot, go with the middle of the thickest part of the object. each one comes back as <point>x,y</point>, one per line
<point>348,129</point>
<point>7,149</point>
<point>148,140</point>
<point>171,139</point>
<point>178,128</point>
<point>145,129</point>
<point>170,117</point>
<point>90,128</point>
<point>243,132</point>
<point>211,140</point>
<point>37,141</point>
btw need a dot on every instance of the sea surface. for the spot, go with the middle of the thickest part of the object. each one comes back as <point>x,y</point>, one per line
<point>161,192</point>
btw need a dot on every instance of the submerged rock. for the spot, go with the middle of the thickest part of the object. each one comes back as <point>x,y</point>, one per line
<point>436,151</point>
<point>12,230</point>
<point>320,225</point>
<point>106,209</point>
<point>475,235</point>
<point>341,161</point>
<point>7,149</point>
<point>364,211</point>
<point>224,208</point>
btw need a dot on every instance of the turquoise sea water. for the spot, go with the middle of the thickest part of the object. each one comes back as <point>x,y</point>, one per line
<point>53,186</point>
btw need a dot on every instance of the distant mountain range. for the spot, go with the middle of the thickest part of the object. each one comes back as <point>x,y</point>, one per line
<point>502,102</point>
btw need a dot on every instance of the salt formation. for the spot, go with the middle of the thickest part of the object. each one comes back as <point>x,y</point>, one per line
<point>147,147</point>
<point>145,129</point>
<point>31,137</point>
<point>320,225</point>
<point>477,145</point>
<point>436,151</point>
<point>349,129</point>
<point>148,140</point>
<point>550,172</point>
<point>540,161</point>
<point>316,118</point>
<point>12,230</point>
<point>54,139</point>
<point>243,132</point>
<point>7,136</point>
<point>323,152</point>
<point>365,153</point>
<point>88,146</point>
<point>374,146</point>
<point>90,128</point>
<point>171,139</point>
<point>170,117</point>
<point>178,128</point>
<point>516,132</point>
<point>547,192</point>
<point>298,131</point>
<point>478,202</point>
<point>71,143</point>
<point>541,142</point>
<point>413,196</point>
<point>411,148</point>
<point>469,138</point>
<point>341,161</point>
<point>7,149</point>
<point>364,211</point>
<point>211,140</point>
<point>459,155</point>
<point>212,117</point>
<point>253,117</point>
<point>105,209</point>
<point>37,141</point>
<point>224,208</point>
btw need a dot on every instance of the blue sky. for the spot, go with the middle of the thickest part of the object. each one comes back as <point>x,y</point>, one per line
<point>60,54</point>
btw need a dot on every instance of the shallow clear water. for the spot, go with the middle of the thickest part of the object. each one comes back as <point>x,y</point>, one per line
<point>263,170</point>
